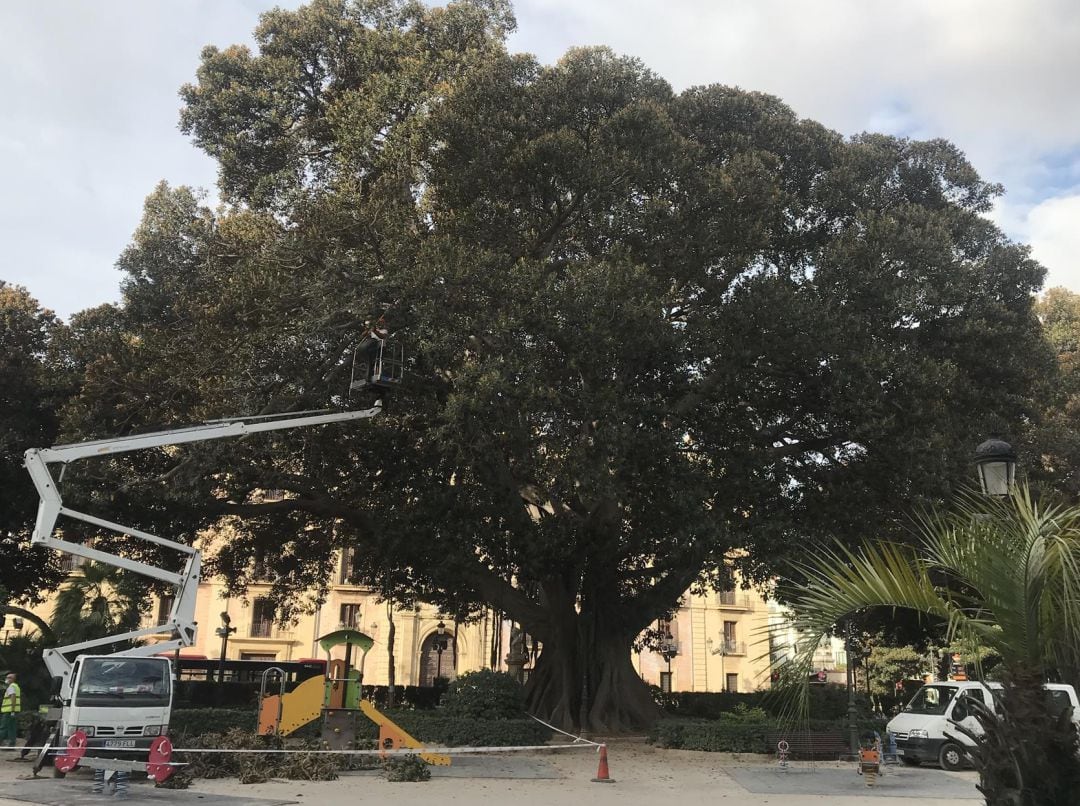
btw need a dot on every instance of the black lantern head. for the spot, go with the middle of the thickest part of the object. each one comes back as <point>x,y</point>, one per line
<point>995,460</point>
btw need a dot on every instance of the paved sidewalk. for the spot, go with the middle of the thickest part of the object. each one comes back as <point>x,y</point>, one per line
<point>642,775</point>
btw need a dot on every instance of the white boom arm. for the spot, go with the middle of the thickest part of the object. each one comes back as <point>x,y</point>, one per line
<point>180,624</point>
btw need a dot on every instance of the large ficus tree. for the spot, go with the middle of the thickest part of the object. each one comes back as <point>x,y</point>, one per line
<point>644,329</point>
<point>33,384</point>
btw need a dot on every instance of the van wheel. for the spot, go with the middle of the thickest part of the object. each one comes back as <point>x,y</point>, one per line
<point>909,762</point>
<point>951,757</point>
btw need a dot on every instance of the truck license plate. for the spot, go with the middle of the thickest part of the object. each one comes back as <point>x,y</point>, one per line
<point>119,742</point>
<point>899,752</point>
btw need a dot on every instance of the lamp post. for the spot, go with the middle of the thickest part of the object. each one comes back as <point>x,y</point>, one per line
<point>722,652</point>
<point>853,715</point>
<point>995,461</point>
<point>668,650</point>
<point>224,631</point>
<point>440,647</point>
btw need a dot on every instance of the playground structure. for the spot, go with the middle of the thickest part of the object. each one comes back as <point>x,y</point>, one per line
<point>336,698</point>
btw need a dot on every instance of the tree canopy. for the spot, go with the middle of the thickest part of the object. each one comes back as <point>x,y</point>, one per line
<point>1052,448</point>
<point>31,390</point>
<point>644,328</point>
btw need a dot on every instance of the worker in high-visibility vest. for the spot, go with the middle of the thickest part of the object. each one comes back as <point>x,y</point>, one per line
<point>9,711</point>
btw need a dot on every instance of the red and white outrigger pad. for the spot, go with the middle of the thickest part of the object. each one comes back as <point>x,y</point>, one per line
<point>76,749</point>
<point>157,765</point>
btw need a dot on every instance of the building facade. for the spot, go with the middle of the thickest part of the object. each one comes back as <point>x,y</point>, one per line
<point>718,641</point>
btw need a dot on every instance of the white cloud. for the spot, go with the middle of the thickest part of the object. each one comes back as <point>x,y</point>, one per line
<point>1054,233</point>
<point>90,126</point>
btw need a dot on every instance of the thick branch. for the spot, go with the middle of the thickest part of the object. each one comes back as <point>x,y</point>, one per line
<point>650,604</point>
<point>490,586</point>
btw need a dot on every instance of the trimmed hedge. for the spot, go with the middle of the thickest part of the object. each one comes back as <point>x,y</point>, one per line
<point>427,726</point>
<point>423,698</point>
<point>733,735</point>
<point>826,702</point>
<point>208,694</point>
<point>186,722</point>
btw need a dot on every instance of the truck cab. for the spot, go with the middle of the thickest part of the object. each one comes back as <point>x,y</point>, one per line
<point>934,710</point>
<point>937,708</point>
<point>121,702</point>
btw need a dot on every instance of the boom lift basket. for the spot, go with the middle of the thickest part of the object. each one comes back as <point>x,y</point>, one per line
<point>378,363</point>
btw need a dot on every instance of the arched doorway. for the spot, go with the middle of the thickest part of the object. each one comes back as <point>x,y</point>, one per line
<point>435,664</point>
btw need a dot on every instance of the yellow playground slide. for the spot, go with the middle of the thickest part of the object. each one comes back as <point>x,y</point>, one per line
<point>299,706</point>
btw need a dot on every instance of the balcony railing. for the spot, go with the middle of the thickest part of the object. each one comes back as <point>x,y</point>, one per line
<point>262,629</point>
<point>730,647</point>
<point>736,601</point>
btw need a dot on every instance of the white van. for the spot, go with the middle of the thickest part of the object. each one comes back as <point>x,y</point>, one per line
<point>937,708</point>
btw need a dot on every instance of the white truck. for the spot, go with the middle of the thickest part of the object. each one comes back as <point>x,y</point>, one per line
<point>919,730</point>
<point>114,708</point>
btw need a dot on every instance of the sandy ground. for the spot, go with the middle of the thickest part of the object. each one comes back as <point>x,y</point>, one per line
<point>642,774</point>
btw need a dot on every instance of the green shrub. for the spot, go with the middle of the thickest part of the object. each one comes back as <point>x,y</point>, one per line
<point>484,694</point>
<point>186,722</point>
<point>717,736</point>
<point>742,732</point>
<point>825,701</point>
<point>406,768</point>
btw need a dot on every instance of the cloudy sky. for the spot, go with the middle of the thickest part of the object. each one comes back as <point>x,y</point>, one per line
<point>90,101</point>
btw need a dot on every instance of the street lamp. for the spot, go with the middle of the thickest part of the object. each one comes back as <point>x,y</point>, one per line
<point>16,622</point>
<point>995,460</point>
<point>224,631</point>
<point>723,653</point>
<point>668,650</point>
<point>853,714</point>
<point>440,647</point>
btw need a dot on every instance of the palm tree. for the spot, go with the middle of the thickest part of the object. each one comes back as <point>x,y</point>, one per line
<point>1001,574</point>
<point>96,601</point>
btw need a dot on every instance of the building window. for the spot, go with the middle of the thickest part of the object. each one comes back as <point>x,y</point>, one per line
<point>731,683</point>
<point>164,608</point>
<point>262,618</point>
<point>665,682</point>
<point>730,644</point>
<point>350,616</point>
<point>350,573</point>
<point>260,571</point>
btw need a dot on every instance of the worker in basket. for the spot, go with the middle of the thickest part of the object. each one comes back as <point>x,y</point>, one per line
<point>377,360</point>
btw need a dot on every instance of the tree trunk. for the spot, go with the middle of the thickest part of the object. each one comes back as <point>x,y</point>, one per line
<point>584,681</point>
<point>1028,754</point>
<point>391,676</point>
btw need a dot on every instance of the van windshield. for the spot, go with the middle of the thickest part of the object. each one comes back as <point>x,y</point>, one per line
<point>123,682</point>
<point>1059,701</point>
<point>931,700</point>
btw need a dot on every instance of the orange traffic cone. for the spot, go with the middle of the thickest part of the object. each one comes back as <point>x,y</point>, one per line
<point>602,776</point>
